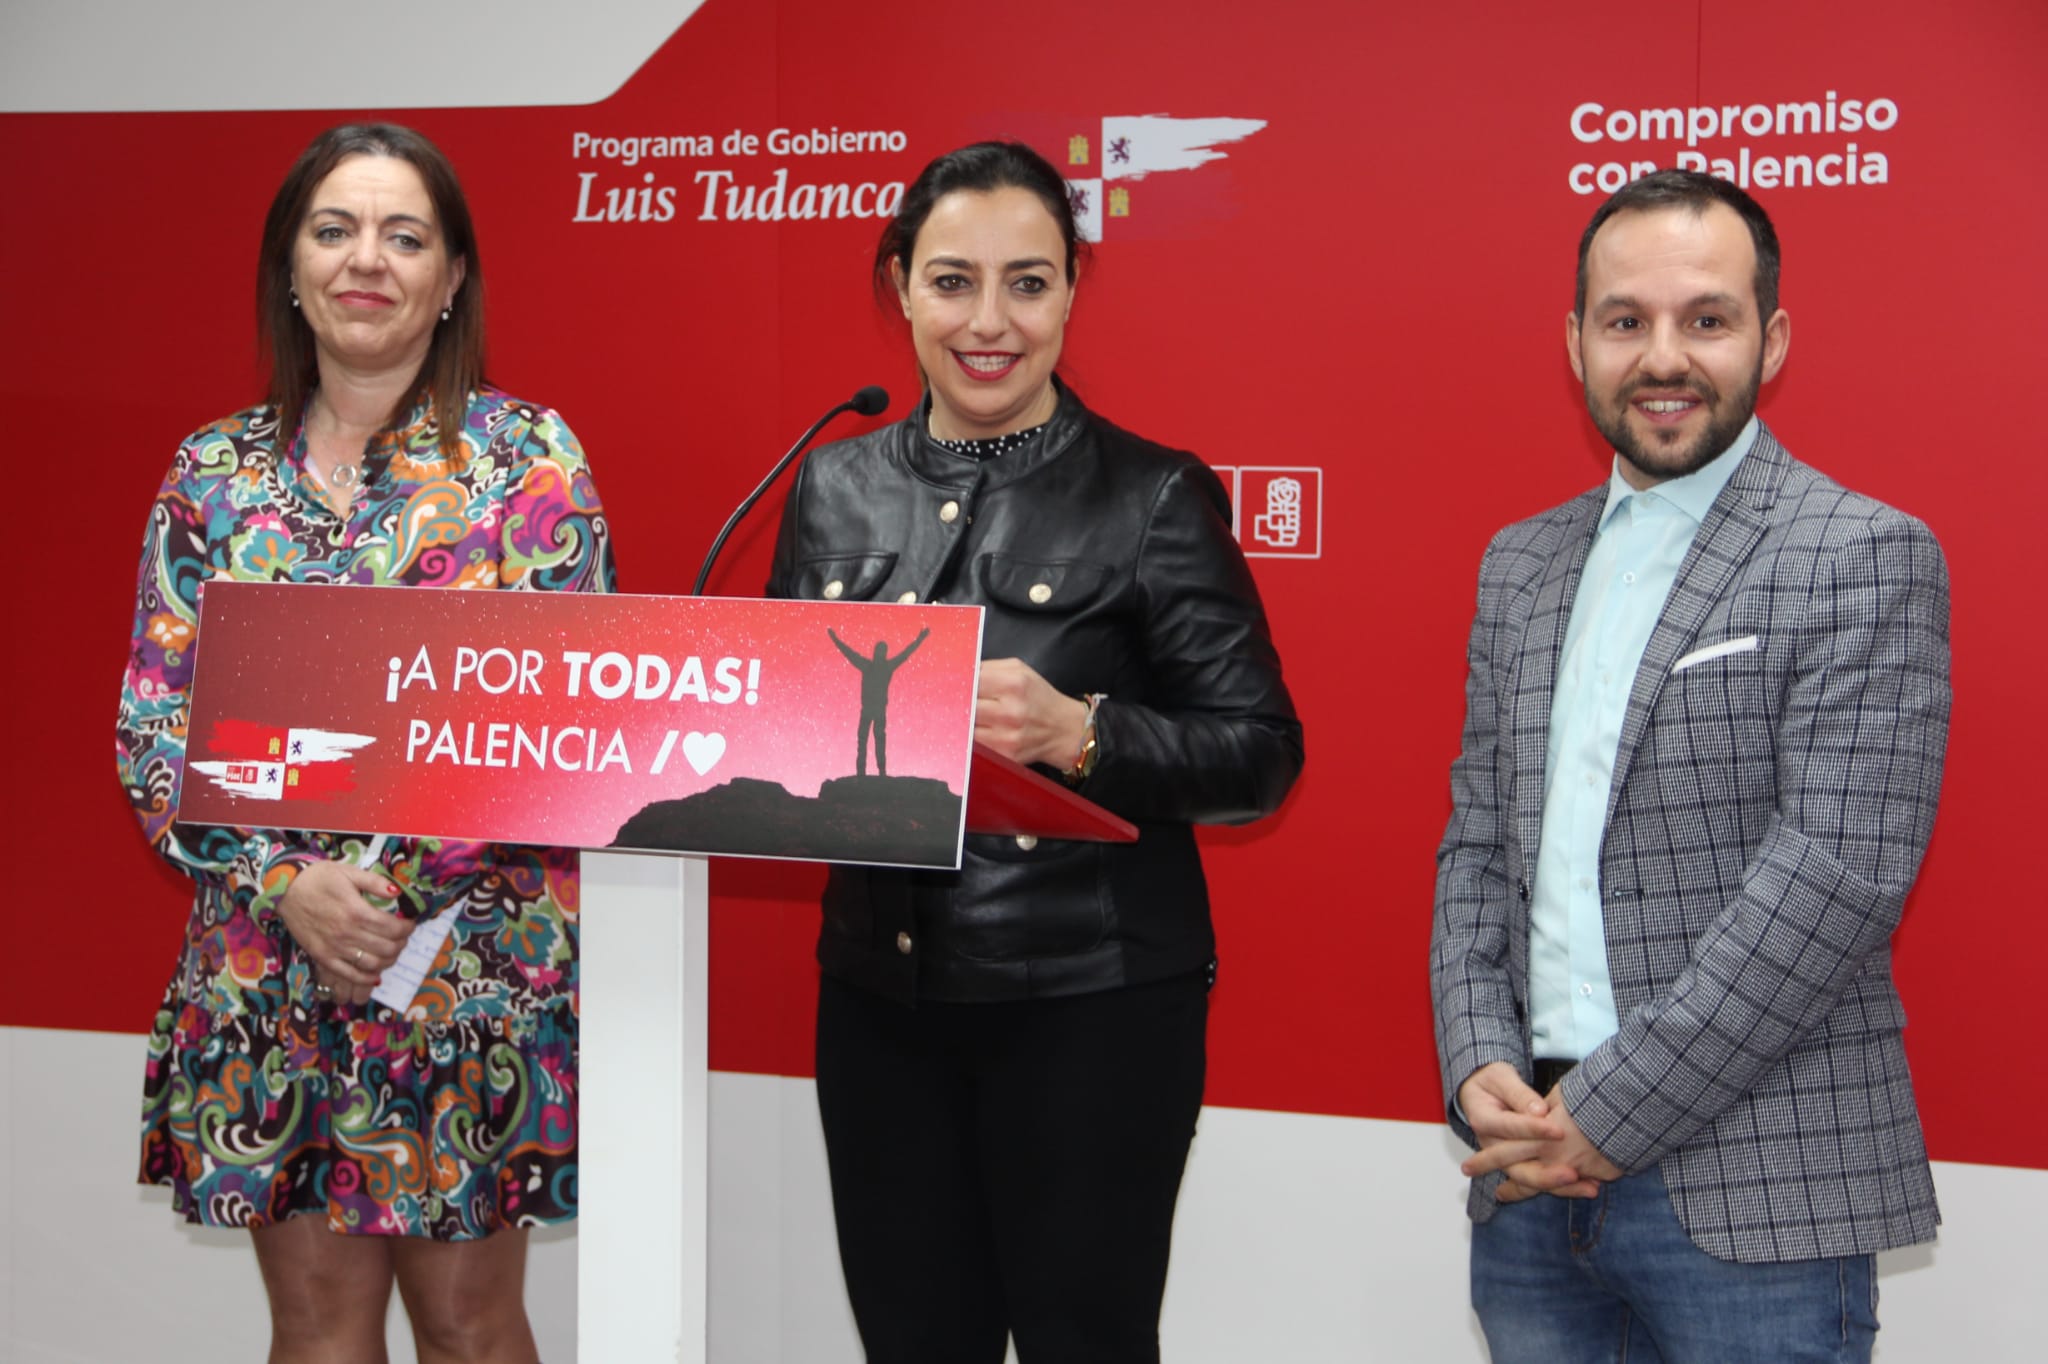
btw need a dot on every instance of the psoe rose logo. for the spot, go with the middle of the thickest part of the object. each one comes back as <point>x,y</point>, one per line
<point>1277,513</point>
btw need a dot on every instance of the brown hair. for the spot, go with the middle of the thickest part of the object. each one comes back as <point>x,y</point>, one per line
<point>455,357</point>
<point>981,168</point>
<point>1697,191</point>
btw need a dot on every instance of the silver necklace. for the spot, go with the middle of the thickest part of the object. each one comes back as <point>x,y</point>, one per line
<point>345,476</point>
<point>343,479</point>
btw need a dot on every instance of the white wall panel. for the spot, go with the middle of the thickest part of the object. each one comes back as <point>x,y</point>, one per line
<point>97,1270</point>
<point>79,56</point>
<point>1301,1239</point>
<point>13,1112</point>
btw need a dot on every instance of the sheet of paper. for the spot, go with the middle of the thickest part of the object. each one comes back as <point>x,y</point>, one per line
<point>398,986</point>
<point>401,980</point>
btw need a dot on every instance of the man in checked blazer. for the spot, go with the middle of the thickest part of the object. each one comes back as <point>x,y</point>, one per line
<point>1705,719</point>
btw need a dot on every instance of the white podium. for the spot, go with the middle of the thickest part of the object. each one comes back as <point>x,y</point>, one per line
<point>643,1172</point>
<point>643,1167</point>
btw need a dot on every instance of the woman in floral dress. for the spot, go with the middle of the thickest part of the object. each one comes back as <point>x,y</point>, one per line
<point>362,1146</point>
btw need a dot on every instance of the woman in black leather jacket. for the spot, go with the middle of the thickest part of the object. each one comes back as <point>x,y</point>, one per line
<point>1010,1057</point>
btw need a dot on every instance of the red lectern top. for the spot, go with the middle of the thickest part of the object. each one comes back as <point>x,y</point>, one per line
<point>1006,797</point>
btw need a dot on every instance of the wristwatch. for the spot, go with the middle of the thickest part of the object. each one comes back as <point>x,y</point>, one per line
<point>1084,762</point>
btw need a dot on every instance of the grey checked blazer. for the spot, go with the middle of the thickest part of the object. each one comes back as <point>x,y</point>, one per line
<point>1767,812</point>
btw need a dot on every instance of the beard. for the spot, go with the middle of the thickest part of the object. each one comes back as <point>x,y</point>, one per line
<point>1665,455</point>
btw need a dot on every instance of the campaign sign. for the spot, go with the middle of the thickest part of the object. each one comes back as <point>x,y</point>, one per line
<point>814,730</point>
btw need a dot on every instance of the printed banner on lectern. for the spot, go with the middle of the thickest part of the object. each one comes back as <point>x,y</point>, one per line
<point>815,730</point>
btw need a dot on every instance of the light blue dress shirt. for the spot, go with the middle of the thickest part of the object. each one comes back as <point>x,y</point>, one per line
<point>1642,540</point>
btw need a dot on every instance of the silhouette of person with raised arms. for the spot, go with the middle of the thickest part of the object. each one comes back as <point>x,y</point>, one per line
<point>874,697</point>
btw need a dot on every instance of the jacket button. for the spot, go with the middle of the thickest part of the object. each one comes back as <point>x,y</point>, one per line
<point>950,513</point>
<point>907,598</point>
<point>1522,889</point>
<point>1027,841</point>
<point>1041,593</point>
<point>834,590</point>
<point>903,943</point>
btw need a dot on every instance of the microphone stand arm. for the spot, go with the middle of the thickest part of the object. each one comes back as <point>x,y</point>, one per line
<point>697,589</point>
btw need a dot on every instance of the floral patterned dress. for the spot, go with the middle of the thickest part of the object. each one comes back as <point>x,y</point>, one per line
<point>458,1117</point>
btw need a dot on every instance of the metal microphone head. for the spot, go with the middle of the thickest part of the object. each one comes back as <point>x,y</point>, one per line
<point>871,401</point>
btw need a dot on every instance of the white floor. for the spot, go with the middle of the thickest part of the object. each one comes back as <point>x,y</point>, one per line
<point>1301,1239</point>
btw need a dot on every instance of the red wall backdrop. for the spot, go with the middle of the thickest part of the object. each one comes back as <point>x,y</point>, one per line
<point>1372,285</point>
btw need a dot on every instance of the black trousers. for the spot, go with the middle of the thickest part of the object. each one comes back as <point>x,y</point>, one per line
<point>1012,1168</point>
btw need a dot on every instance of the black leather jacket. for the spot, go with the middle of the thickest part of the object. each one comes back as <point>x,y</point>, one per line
<point>1106,563</point>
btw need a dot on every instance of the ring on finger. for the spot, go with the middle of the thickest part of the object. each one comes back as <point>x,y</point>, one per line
<point>359,957</point>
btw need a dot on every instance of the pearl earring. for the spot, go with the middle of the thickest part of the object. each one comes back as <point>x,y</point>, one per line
<point>446,313</point>
<point>295,297</point>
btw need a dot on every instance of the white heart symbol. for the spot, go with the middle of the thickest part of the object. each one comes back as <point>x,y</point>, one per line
<point>702,751</point>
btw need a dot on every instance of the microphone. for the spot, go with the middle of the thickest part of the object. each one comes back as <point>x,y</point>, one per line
<point>871,401</point>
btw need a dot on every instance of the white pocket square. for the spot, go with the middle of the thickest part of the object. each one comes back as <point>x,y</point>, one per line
<point>1714,651</point>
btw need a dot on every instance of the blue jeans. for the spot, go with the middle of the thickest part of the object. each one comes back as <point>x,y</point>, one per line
<point>1615,1280</point>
